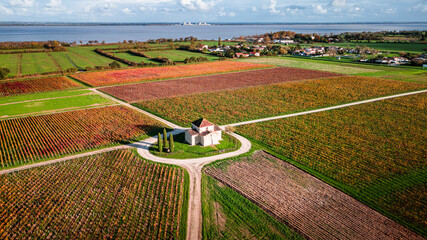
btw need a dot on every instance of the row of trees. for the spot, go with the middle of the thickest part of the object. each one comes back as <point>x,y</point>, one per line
<point>46,45</point>
<point>162,142</point>
<point>195,59</point>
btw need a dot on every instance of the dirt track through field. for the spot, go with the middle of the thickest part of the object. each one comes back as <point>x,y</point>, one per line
<point>194,167</point>
<point>313,208</point>
<point>193,85</point>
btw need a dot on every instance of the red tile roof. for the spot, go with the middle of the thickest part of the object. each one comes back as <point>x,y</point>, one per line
<point>202,123</point>
<point>192,132</point>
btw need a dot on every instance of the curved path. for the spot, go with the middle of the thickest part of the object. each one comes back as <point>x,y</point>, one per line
<point>194,167</point>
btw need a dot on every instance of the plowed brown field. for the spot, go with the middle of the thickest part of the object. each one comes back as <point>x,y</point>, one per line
<point>166,89</point>
<point>310,206</point>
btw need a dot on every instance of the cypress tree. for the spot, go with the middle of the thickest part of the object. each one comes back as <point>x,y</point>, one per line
<point>171,145</point>
<point>219,42</point>
<point>160,144</point>
<point>165,138</point>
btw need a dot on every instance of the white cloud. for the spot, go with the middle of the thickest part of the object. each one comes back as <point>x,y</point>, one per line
<point>148,9</point>
<point>223,13</point>
<point>338,3</point>
<point>194,5</point>
<point>254,9</point>
<point>55,7</point>
<point>105,8</point>
<point>127,11</point>
<point>22,3</point>
<point>4,10</point>
<point>272,7</point>
<point>54,4</point>
<point>420,7</point>
<point>389,10</point>
<point>319,9</point>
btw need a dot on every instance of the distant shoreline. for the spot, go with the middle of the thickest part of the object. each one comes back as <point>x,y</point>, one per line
<point>179,23</point>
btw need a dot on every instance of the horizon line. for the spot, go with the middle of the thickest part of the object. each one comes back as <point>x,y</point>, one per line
<point>5,23</point>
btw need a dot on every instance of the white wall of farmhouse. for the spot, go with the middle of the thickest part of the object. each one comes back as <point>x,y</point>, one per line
<point>208,135</point>
<point>190,138</point>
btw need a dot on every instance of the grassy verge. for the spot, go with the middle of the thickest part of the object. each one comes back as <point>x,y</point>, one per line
<point>228,215</point>
<point>42,95</point>
<point>184,211</point>
<point>179,55</point>
<point>183,150</point>
<point>37,106</point>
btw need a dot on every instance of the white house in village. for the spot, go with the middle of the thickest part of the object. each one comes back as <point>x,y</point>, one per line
<point>203,132</point>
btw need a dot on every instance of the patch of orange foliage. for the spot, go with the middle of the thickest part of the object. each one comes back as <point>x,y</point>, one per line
<point>145,74</point>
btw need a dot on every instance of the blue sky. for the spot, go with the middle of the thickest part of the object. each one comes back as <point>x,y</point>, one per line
<point>284,11</point>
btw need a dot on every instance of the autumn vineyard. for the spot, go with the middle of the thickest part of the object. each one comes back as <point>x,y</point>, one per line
<point>250,103</point>
<point>80,156</point>
<point>33,138</point>
<point>302,201</point>
<point>186,86</point>
<point>115,195</point>
<point>139,75</point>
<point>11,88</point>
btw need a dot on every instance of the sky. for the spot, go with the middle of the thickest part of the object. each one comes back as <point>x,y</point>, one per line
<point>278,11</point>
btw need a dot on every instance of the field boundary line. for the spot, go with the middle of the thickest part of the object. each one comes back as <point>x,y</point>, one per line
<point>172,125</point>
<point>19,66</point>
<point>57,111</point>
<point>326,109</point>
<point>58,160</point>
<point>43,99</point>
<point>54,62</point>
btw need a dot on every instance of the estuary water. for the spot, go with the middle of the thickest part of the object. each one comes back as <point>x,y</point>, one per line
<point>116,33</point>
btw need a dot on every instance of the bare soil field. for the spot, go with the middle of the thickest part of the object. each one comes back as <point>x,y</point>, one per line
<point>310,206</point>
<point>125,76</point>
<point>172,88</point>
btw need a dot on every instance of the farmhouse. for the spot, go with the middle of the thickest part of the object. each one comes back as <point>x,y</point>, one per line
<point>203,132</point>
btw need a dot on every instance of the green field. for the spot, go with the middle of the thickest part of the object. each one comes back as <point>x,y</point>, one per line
<point>10,61</point>
<point>62,59</point>
<point>374,152</point>
<point>411,74</point>
<point>90,55</point>
<point>183,150</point>
<point>389,47</point>
<point>228,215</point>
<point>37,63</point>
<point>42,95</point>
<point>49,105</point>
<point>313,65</point>
<point>179,55</point>
<point>134,58</point>
<point>82,57</point>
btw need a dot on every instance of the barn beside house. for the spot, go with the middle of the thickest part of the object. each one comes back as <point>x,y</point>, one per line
<point>204,133</point>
